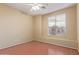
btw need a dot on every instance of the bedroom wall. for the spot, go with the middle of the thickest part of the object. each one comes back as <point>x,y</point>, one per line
<point>15,27</point>
<point>41,28</point>
<point>37,27</point>
<point>78,25</point>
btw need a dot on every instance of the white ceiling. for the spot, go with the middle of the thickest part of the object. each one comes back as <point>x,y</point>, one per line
<point>50,8</point>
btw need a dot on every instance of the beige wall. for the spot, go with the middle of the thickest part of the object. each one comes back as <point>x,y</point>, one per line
<point>41,28</point>
<point>37,27</point>
<point>15,27</point>
<point>78,25</point>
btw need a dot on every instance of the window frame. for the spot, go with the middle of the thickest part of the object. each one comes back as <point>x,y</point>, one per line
<point>55,25</point>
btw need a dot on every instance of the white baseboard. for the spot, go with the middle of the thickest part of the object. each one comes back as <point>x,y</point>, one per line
<point>55,43</point>
<point>11,45</point>
<point>59,44</point>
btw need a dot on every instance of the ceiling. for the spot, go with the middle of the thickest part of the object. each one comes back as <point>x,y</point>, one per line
<point>51,7</point>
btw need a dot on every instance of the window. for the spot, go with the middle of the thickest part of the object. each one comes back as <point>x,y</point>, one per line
<point>57,25</point>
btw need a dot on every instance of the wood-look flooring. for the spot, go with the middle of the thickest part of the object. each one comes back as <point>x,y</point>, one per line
<point>37,48</point>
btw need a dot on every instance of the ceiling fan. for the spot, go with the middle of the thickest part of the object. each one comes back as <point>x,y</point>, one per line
<point>37,6</point>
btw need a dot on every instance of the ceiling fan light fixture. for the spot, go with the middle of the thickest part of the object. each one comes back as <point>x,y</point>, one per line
<point>37,7</point>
